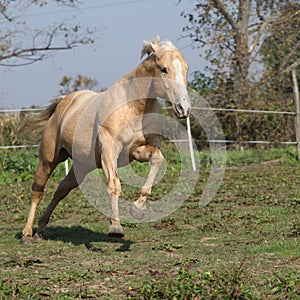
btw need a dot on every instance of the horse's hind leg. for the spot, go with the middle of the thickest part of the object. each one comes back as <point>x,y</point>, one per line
<point>42,174</point>
<point>70,182</point>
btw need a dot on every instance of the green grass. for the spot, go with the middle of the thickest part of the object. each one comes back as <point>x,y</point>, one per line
<point>243,245</point>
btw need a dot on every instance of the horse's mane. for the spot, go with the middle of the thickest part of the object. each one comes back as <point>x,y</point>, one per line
<point>155,46</point>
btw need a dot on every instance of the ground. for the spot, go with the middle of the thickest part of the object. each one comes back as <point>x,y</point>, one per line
<point>243,245</point>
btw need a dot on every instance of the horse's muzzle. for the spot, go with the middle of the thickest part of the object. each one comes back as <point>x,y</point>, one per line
<point>182,111</point>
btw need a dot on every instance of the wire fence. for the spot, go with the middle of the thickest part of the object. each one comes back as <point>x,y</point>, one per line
<point>189,134</point>
<point>248,111</point>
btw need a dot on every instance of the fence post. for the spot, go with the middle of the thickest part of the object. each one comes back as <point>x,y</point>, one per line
<point>190,140</point>
<point>66,166</point>
<point>297,109</point>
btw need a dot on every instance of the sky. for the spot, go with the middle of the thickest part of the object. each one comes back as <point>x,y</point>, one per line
<point>120,28</point>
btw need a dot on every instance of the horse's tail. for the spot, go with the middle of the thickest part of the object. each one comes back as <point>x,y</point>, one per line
<point>33,126</point>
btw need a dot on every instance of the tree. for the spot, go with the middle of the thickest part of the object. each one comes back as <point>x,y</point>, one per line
<point>70,84</point>
<point>20,45</point>
<point>281,49</point>
<point>241,37</point>
<point>232,33</point>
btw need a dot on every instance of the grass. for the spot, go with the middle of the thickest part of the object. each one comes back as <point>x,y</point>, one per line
<point>243,245</point>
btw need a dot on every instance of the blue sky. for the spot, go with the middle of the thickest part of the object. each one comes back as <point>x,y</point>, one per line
<point>121,26</point>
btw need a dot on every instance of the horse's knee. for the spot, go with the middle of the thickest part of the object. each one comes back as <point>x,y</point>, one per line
<point>148,153</point>
<point>36,196</point>
<point>114,186</point>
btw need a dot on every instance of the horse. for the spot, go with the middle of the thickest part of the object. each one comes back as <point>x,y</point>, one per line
<point>108,130</point>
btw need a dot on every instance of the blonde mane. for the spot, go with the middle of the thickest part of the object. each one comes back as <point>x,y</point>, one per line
<point>155,46</point>
<point>167,45</point>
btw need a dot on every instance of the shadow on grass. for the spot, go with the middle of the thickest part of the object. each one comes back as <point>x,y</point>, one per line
<point>78,235</point>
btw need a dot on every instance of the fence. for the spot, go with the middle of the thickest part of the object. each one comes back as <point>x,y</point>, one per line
<point>296,113</point>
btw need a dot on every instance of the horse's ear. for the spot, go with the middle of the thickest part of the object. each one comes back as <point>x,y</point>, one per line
<point>150,47</point>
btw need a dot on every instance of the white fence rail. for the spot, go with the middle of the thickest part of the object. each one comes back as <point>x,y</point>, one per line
<point>296,114</point>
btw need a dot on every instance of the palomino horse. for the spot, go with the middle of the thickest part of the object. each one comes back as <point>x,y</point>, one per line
<point>107,130</point>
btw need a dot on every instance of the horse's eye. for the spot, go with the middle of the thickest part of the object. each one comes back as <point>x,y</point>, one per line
<point>164,70</point>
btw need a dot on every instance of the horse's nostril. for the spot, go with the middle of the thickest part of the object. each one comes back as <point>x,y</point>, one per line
<point>179,108</point>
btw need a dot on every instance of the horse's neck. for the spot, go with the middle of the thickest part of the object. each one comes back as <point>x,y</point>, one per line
<point>144,71</point>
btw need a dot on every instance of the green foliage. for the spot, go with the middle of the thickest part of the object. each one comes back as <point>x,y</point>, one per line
<point>202,83</point>
<point>224,30</point>
<point>287,283</point>
<point>231,39</point>
<point>20,161</point>
<point>238,126</point>
<point>280,49</point>
<point>17,166</point>
<point>286,155</point>
<point>20,165</point>
<point>4,290</point>
<point>224,284</point>
<point>228,284</point>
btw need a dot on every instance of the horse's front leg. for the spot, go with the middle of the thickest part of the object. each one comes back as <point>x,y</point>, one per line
<point>114,191</point>
<point>153,155</point>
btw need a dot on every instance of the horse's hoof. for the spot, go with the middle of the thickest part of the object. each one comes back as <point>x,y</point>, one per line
<point>136,213</point>
<point>38,236</point>
<point>115,231</point>
<point>27,240</point>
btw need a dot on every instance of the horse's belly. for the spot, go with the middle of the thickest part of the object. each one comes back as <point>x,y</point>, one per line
<point>83,149</point>
<point>124,158</point>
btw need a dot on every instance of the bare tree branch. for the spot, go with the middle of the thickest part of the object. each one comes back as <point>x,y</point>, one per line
<point>224,10</point>
<point>14,47</point>
<point>3,12</point>
<point>261,31</point>
<point>294,65</point>
<point>30,54</point>
<point>285,60</point>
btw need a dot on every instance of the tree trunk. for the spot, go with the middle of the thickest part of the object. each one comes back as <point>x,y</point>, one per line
<point>240,69</point>
<point>241,57</point>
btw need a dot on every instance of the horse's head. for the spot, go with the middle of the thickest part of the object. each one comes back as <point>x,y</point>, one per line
<point>169,70</point>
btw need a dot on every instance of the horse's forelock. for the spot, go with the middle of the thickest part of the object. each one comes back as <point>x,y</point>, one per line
<point>167,45</point>
<point>155,46</point>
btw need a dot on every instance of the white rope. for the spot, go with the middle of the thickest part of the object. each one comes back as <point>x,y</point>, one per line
<point>177,141</point>
<point>19,109</point>
<point>194,108</point>
<point>188,129</point>
<point>247,110</point>
<point>249,142</point>
<point>243,110</point>
<point>19,146</point>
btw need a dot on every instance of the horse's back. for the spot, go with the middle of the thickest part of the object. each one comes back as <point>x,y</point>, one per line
<point>73,103</point>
